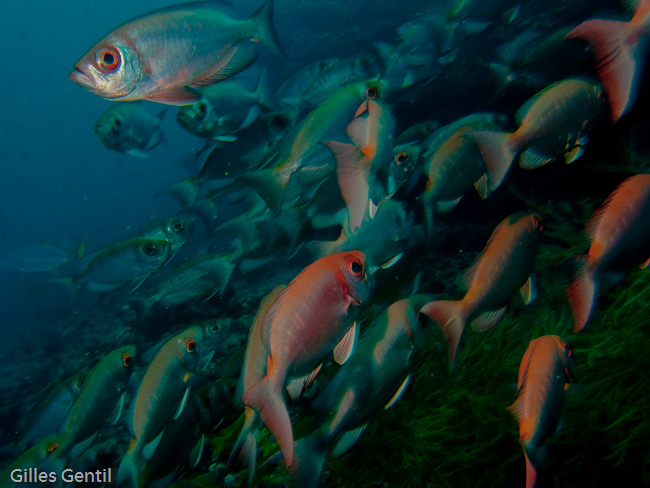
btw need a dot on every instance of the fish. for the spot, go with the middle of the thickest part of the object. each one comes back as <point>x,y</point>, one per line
<point>165,390</point>
<point>502,268</point>
<point>554,122</point>
<point>226,108</point>
<point>620,234</point>
<point>40,458</point>
<point>313,316</point>
<point>166,55</point>
<point>383,239</point>
<point>544,373</point>
<point>102,396</point>
<point>46,417</point>
<point>203,276</point>
<point>358,165</point>
<point>39,258</point>
<point>130,261</point>
<point>129,128</point>
<point>375,377</point>
<point>253,370</point>
<point>618,50</point>
<point>302,160</point>
<point>177,230</point>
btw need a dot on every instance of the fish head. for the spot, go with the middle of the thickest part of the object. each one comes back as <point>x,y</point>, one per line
<point>197,344</point>
<point>213,335</point>
<point>178,229</point>
<point>566,356</point>
<point>124,360</point>
<point>152,253</point>
<point>111,129</point>
<point>112,69</point>
<point>402,167</point>
<point>199,118</point>
<point>354,276</point>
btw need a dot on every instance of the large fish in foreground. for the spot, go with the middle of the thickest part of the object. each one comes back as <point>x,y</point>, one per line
<point>502,268</point>
<point>312,317</point>
<point>620,238</point>
<point>619,53</point>
<point>544,372</point>
<point>164,56</point>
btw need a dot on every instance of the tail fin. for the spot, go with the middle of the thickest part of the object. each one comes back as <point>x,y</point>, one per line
<point>309,460</point>
<point>497,152</point>
<point>246,445</point>
<point>531,472</point>
<point>450,318</point>
<point>141,306</point>
<point>581,294</point>
<point>271,185</point>
<point>266,398</point>
<point>131,466</point>
<point>264,28</point>
<point>185,191</point>
<point>615,55</point>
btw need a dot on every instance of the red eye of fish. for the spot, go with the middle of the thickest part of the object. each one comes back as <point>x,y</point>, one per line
<point>108,59</point>
<point>126,359</point>
<point>190,345</point>
<point>52,447</point>
<point>371,93</point>
<point>355,267</point>
<point>401,158</point>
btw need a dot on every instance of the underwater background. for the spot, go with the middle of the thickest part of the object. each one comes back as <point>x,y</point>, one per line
<point>60,186</point>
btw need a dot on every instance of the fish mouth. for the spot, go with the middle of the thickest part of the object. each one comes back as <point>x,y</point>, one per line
<point>80,77</point>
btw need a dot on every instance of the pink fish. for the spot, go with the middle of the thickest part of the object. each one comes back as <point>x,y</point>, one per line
<point>620,238</point>
<point>544,372</point>
<point>503,268</point>
<point>165,55</point>
<point>616,49</point>
<point>314,315</point>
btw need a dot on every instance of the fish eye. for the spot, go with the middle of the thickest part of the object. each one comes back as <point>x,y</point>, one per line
<point>53,446</point>
<point>108,59</point>
<point>401,158</point>
<point>201,108</point>
<point>538,225</point>
<point>150,249</point>
<point>355,267</point>
<point>126,359</point>
<point>190,345</point>
<point>371,93</point>
<point>177,226</point>
<point>214,328</point>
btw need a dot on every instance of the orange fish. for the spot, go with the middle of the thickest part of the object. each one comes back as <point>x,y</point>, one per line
<point>253,370</point>
<point>503,268</point>
<point>543,374</point>
<point>616,48</point>
<point>314,315</point>
<point>620,235</point>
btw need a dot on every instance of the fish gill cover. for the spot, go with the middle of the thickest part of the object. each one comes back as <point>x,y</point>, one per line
<point>124,224</point>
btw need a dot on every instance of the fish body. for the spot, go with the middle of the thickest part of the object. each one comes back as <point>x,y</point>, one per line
<point>202,276</point>
<point>38,258</point>
<point>129,128</point>
<point>620,232</point>
<point>49,414</point>
<point>165,389</point>
<point>302,160</point>
<point>359,165</point>
<point>253,370</point>
<point>619,50</point>
<point>544,372</point>
<point>126,261</point>
<point>374,377</point>
<point>552,123</point>
<point>163,56</point>
<point>307,320</point>
<point>225,109</point>
<point>502,268</point>
<point>101,394</point>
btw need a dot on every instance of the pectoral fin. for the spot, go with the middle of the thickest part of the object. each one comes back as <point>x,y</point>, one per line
<point>345,347</point>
